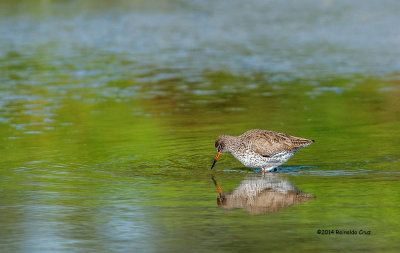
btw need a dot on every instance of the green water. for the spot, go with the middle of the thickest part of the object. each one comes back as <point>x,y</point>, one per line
<point>109,113</point>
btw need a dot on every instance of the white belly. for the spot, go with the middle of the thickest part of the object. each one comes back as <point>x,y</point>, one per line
<point>254,160</point>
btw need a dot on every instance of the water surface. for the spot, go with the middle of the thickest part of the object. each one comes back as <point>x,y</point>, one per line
<point>109,112</point>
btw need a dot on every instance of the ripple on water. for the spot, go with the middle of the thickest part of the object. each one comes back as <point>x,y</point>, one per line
<point>318,91</point>
<point>314,171</point>
<point>33,132</point>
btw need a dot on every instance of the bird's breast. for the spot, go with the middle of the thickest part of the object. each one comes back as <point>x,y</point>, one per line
<point>248,158</point>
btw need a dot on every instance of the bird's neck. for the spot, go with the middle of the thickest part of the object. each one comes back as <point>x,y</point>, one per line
<point>230,142</point>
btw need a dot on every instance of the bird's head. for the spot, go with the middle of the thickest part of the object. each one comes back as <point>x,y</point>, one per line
<point>221,146</point>
<point>221,143</point>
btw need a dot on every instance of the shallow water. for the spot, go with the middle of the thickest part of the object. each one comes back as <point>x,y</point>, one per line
<point>109,112</point>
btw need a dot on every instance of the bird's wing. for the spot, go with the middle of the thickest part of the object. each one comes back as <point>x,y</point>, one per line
<point>269,143</point>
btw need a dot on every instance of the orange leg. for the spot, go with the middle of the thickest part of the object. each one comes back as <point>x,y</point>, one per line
<point>272,170</point>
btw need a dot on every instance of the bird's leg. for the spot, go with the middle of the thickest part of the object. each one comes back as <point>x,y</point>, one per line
<point>263,171</point>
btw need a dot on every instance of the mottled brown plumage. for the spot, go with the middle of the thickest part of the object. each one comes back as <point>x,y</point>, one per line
<point>260,148</point>
<point>269,143</point>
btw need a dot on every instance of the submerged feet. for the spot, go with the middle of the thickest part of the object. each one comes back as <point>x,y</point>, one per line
<point>274,170</point>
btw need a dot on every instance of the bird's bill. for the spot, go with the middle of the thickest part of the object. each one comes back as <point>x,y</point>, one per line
<point>218,187</point>
<point>215,160</point>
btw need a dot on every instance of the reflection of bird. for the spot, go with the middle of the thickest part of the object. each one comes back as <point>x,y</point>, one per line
<point>260,148</point>
<point>262,194</point>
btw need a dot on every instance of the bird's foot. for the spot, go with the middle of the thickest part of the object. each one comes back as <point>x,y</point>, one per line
<point>270,170</point>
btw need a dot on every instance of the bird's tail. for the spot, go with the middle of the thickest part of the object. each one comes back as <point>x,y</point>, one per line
<point>302,143</point>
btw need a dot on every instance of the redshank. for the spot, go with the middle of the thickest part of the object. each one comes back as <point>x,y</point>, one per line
<point>258,148</point>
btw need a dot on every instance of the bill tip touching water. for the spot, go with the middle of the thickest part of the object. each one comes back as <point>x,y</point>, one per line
<point>258,148</point>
